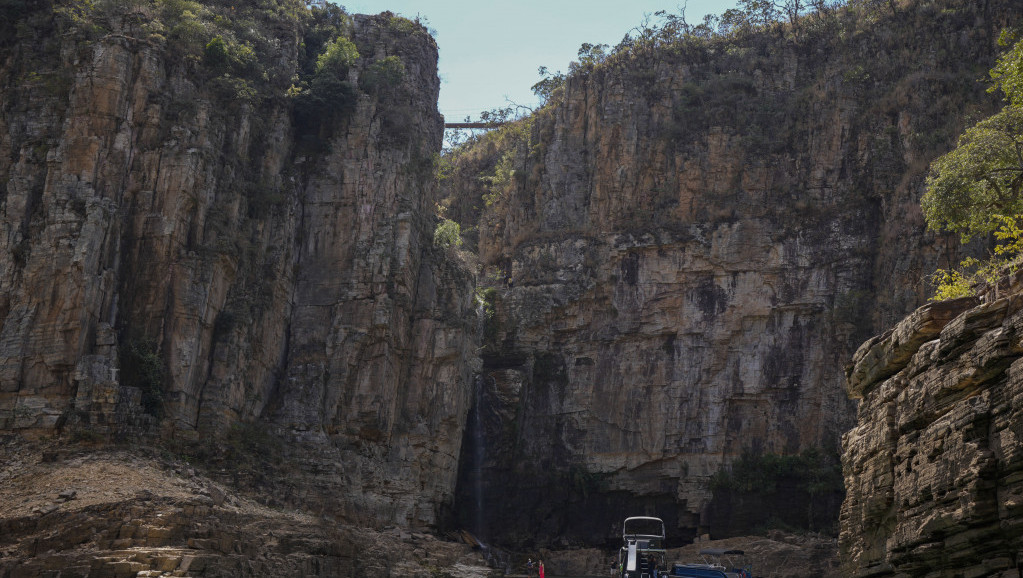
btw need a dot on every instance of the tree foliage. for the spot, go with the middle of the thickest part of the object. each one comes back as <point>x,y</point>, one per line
<point>142,367</point>
<point>447,234</point>
<point>971,189</point>
<point>383,76</point>
<point>1007,75</point>
<point>323,92</point>
<point>339,54</point>
<point>589,55</point>
<point>230,56</point>
<point>549,82</point>
<point>977,188</point>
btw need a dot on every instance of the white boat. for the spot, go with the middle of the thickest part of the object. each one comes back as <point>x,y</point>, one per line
<point>642,552</point>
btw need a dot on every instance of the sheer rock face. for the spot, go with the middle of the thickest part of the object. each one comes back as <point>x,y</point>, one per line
<point>149,219</point>
<point>690,248</point>
<point>934,467</point>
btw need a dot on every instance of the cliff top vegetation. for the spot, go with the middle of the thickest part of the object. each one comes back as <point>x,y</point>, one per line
<point>714,74</point>
<point>242,50</point>
<point>664,33</point>
<point>235,48</point>
<point>741,33</point>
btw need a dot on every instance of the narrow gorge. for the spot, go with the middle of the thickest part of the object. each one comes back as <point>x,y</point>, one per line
<point>232,341</point>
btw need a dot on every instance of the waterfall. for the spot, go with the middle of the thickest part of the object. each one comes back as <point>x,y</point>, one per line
<point>478,454</point>
<point>495,557</point>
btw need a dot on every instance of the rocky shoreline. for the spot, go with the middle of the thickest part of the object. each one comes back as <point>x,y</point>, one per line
<point>89,509</point>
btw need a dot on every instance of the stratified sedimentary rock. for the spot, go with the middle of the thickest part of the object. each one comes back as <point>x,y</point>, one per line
<point>934,467</point>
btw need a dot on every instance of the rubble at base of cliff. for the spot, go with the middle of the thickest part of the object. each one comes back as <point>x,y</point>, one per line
<point>88,509</point>
<point>84,510</point>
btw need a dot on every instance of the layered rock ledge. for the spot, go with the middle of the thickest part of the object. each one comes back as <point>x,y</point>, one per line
<point>934,467</point>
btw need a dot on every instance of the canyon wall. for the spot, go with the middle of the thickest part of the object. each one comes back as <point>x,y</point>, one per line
<point>211,246</point>
<point>933,469</point>
<point>682,251</point>
<point>190,243</point>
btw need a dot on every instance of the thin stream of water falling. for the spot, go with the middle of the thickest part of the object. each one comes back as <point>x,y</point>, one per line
<point>478,454</point>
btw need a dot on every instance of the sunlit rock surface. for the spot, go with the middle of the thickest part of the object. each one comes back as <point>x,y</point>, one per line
<point>934,468</point>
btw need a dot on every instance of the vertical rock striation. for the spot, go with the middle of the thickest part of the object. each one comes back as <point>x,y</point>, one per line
<point>178,254</point>
<point>686,246</point>
<point>933,467</point>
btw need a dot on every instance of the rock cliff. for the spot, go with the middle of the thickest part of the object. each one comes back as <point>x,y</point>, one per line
<point>683,250</point>
<point>215,236</point>
<point>933,469</point>
<point>202,227</point>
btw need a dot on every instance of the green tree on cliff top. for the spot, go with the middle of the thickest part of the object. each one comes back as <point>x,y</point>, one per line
<point>977,188</point>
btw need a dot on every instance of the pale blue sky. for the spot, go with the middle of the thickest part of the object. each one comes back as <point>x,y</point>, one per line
<point>490,51</point>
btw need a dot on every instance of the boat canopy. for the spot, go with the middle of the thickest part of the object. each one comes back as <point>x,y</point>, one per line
<point>643,527</point>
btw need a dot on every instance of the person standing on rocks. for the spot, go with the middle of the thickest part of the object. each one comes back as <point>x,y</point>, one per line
<point>540,568</point>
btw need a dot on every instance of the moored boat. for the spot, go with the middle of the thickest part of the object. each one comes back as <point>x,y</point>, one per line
<point>712,566</point>
<point>642,553</point>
